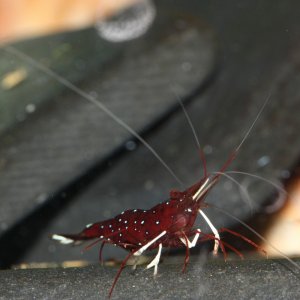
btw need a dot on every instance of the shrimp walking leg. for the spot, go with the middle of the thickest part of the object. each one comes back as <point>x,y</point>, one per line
<point>136,260</point>
<point>145,247</point>
<point>193,243</point>
<point>214,230</point>
<point>187,252</point>
<point>154,263</point>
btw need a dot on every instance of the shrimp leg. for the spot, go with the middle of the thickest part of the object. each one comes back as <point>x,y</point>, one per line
<point>145,247</point>
<point>191,244</point>
<point>154,263</point>
<point>214,230</point>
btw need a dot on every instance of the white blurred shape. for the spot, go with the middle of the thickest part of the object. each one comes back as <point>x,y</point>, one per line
<point>129,23</point>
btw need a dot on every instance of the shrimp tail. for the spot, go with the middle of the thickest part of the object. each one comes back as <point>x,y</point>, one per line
<point>91,231</point>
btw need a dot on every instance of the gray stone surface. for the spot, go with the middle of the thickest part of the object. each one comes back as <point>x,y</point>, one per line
<point>252,279</point>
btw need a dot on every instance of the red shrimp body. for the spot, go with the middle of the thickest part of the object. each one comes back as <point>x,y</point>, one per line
<point>168,224</point>
<point>134,228</point>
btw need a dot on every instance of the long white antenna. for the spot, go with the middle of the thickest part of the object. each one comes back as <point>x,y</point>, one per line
<point>202,155</point>
<point>94,100</point>
<point>254,122</point>
<point>243,190</point>
<point>235,152</point>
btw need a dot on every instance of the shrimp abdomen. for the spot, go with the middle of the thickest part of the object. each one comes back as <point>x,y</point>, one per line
<point>98,230</point>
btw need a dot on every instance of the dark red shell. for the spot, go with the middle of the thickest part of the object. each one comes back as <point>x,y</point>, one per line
<point>135,227</point>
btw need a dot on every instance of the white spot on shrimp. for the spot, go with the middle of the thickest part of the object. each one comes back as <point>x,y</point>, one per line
<point>157,222</point>
<point>120,234</point>
<point>120,220</point>
<point>135,222</point>
<point>140,244</point>
<point>135,210</point>
<point>102,226</point>
<point>122,212</point>
<point>88,225</point>
<point>125,221</point>
<point>153,211</point>
<point>126,227</point>
<point>168,203</point>
<point>135,229</point>
<point>112,230</point>
<point>109,226</point>
<point>147,232</point>
<point>189,210</point>
<point>144,211</point>
<point>142,222</point>
<point>101,236</point>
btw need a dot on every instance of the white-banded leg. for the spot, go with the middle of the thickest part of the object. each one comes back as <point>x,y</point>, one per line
<point>193,242</point>
<point>154,263</point>
<point>145,247</point>
<point>214,230</point>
